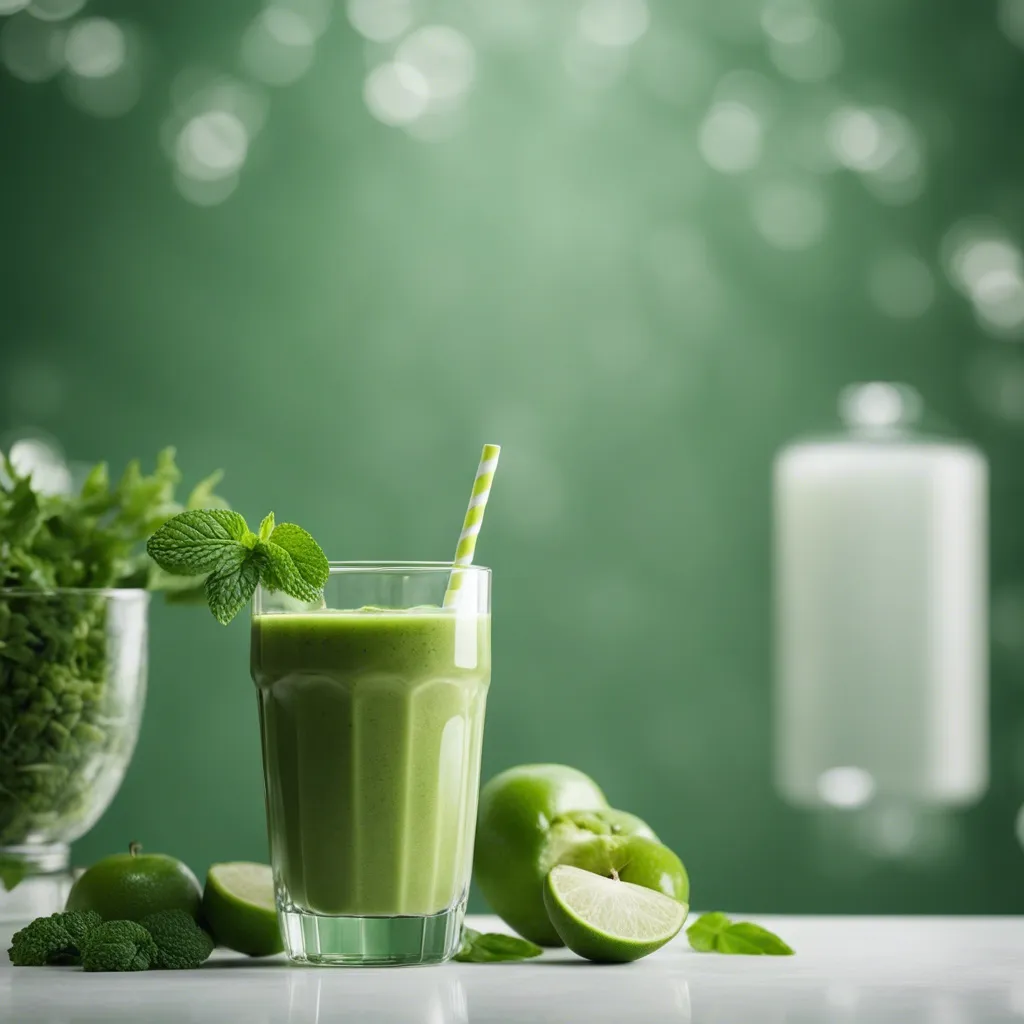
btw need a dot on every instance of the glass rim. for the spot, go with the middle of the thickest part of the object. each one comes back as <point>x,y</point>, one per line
<point>339,568</point>
<point>116,592</point>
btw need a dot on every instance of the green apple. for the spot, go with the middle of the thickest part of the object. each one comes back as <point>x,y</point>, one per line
<point>531,818</point>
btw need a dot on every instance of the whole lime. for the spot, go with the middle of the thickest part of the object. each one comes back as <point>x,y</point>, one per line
<point>131,886</point>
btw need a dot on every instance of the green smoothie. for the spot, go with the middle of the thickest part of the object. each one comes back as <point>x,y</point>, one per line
<point>372,725</point>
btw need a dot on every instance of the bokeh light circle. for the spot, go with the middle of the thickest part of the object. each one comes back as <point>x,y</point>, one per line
<point>380,21</point>
<point>95,48</point>
<point>396,94</point>
<point>43,460</point>
<point>32,50</point>
<point>729,138</point>
<point>205,193</point>
<point>212,146</point>
<point>55,10</point>
<point>443,57</point>
<point>614,22</point>
<point>279,46</point>
<point>790,22</point>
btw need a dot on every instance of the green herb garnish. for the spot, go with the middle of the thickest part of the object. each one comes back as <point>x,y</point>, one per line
<point>716,933</point>
<point>218,543</point>
<point>493,948</point>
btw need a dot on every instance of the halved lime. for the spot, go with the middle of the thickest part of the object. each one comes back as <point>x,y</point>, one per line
<point>607,920</point>
<point>238,904</point>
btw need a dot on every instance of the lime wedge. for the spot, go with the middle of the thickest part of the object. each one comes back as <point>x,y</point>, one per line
<point>607,920</point>
<point>238,904</point>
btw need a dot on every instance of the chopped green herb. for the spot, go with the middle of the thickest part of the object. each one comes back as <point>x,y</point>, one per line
<point>53,646</point>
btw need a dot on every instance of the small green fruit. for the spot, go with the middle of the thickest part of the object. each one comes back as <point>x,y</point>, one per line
<point>531,818</point>
<point>131,886</point>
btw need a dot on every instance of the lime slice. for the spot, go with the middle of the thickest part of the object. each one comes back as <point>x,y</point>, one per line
<point>607,920</point>
<point>238,904</point>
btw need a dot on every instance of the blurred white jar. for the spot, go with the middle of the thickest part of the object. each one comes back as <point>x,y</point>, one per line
<point>880,604</point>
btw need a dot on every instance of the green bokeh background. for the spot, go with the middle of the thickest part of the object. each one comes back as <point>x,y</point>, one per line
<point>566,274</point>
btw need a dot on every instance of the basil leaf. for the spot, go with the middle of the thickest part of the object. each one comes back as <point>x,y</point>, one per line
<point>715,933</point>
<point>752,940</point>
<point>494,947</point>
<point>703,933</point>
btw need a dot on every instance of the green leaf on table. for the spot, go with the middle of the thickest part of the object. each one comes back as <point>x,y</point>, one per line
<point>752,940</point>
<point>494,947</point>
<point>716,933</point>
<point>199,541</point>
<point>704,932</point>
<point>12,872</point>
<point>309,559</point>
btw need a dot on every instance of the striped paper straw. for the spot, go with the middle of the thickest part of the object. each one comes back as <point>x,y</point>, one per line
<point>474,517</point>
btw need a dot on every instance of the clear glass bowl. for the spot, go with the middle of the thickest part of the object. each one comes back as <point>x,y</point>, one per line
<point>72,688</point>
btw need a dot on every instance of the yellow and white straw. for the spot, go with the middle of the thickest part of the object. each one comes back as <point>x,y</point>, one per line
<point>474,518</point>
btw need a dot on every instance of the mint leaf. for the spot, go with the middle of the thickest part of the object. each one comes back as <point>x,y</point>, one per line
<point>204,494</point>
<point>229,589</point>
<point>715,933</point>
<point>281,573</point>
<point>218,544</point>
<point>96,489</point>
<point>267,526</point>
<point>704,932</point>
<point>309,559</point>
<point>199,541</point>
<point>494,947</point>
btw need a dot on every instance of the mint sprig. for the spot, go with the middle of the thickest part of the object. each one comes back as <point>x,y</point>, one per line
<point>716,933</point>
<point>218,544</point>
<point>493,948</point>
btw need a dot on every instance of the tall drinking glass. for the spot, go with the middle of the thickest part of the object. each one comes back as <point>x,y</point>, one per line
<point>371,713</point>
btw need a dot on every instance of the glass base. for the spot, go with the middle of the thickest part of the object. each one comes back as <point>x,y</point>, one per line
<point>35,881</point>
<point>328,941</point>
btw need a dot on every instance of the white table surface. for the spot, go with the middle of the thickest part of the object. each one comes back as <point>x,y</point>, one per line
<point>879,970</point>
